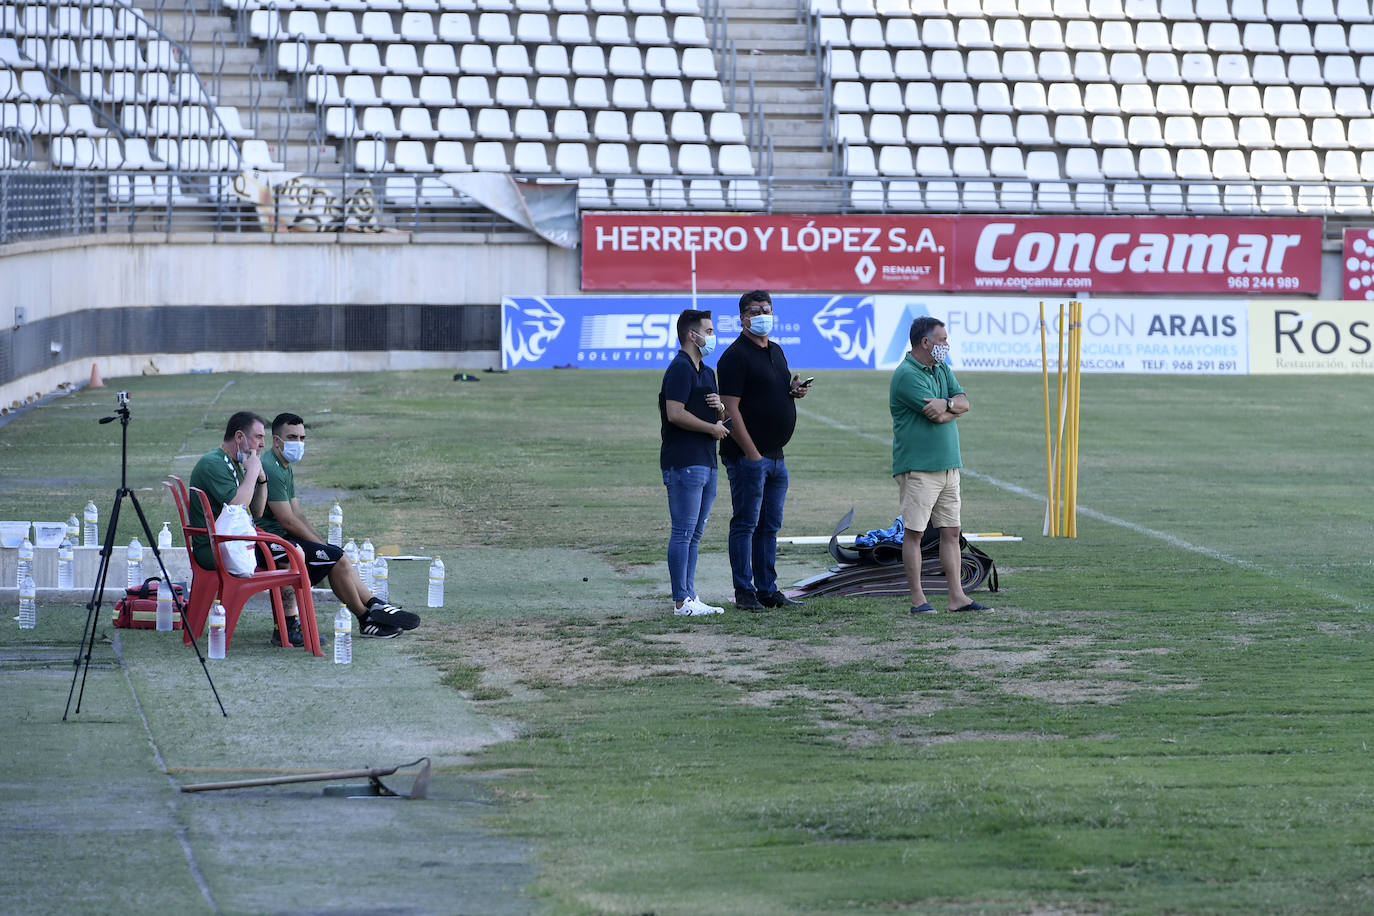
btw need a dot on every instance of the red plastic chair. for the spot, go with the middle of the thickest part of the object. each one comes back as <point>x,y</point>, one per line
<point>233,591</point>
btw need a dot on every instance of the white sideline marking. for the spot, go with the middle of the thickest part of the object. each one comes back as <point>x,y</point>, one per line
<point>1171,540</point>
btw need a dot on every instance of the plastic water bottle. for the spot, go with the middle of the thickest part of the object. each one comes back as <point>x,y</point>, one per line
<point>343,636</point>
<point>336,525</point>
<point>24,568</point>
<point>66,572</point>
<point>90,536</point>
<point>351,551</point>
<point>74,529</point>
<point>164,538</point>
<point>381,586</point>
<point>217,624</point>
<point>436,583</point>
<point>164,607</point>
<point>135,563</point>
<point>366,555</point>
<point>28,604</point>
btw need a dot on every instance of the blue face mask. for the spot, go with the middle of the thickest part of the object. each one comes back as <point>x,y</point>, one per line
<point>292,451</point>
<point>708,343</point>
<point>762,325</point>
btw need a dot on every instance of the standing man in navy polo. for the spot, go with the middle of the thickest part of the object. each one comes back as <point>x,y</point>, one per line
<point>758,391</point>
<point>925,399</point>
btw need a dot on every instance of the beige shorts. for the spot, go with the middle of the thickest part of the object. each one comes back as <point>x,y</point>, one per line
<point>929,499</point>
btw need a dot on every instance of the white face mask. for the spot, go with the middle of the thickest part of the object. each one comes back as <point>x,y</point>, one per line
<point>762,325</point>
<point>292,451</point>
<point>940,352</point>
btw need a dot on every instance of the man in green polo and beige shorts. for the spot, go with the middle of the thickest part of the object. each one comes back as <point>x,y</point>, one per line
<point>925,399</point>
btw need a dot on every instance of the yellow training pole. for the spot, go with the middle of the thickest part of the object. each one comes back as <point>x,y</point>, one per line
<point>1059,431</point>
<point>1049,451</point>
<point>1075,389</point>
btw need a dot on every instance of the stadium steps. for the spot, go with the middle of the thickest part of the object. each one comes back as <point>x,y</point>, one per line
<point>771,44</point>
<point>236,86</point>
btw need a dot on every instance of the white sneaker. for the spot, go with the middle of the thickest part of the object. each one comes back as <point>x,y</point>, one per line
<point>692,608</point>
<point>704,607</point>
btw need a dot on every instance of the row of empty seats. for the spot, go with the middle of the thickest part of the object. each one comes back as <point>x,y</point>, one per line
<point>1122,68</point>
<point>90,54</point>
<point>111,153</point>
<point>488,60</point>
<point>54,118</point>
<point>636,7</point>
<point>1090,197</point>
<point>671,193</point>
<point>1085,164</point>
<point>1089,35</point>
<point>569,159</point>
<point>491,28</point>
<point>94,20</point>
<point>1098,98</point>
<point>1203,10</point>
<point>1140,131</point>
<point>533,124</point>
<point>550,92</point>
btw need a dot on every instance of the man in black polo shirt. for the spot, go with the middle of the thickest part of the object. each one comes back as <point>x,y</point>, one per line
<point>757,389</point>
<point>689,409</point>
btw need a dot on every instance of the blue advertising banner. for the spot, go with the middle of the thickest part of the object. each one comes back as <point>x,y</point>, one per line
<point>640,332</point>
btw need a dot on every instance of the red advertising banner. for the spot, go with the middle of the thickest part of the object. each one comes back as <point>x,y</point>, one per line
<point>1134,254</point>
<point>743,252</point>
<point>985,254</point>
<point>1357,259</point>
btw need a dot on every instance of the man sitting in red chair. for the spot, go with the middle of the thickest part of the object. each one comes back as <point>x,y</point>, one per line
<point>284,518</point>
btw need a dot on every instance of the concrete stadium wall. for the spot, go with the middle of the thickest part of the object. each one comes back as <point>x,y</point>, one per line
<point>312,303</point>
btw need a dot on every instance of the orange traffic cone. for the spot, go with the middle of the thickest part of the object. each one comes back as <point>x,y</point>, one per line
<point>95,376</point>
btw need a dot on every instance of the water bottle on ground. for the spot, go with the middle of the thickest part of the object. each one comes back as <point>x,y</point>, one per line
<point>436,583</point>
<point>343,636</point>
<point>28,604</point>
<point>164,607</point>
<point>336,525</point>
<point>217,624</point>
<point>366,554</point>
<point>90,536</point>
<point>351,551</point>
<point>74,529</point>
<point>24,568</point>
<point>164,538</point>
<point>135,555</point>
<point>66,572</point>
<point>381,586</point>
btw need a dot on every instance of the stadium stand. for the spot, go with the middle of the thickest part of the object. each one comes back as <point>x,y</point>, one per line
<point>1167,106</point>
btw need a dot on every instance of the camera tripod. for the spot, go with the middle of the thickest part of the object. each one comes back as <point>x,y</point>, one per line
<point>83,653</point>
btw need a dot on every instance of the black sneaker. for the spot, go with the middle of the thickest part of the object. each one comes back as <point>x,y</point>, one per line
<point>390,615</point>
<point>778,599</point>
<point>369,629</point>
<point>747,601</point>
<point>293,633</point>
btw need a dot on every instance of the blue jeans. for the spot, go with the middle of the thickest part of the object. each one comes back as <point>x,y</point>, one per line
<point>757,492</point>
<point>691,491</point>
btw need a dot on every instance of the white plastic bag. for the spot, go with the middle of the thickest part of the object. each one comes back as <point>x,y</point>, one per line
<point>238,557</point>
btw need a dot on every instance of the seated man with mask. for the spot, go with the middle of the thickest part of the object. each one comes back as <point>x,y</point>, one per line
<point>283,517</point>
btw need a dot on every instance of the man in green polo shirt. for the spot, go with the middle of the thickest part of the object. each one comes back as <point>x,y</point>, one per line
<point>284,517</point>
<point>231,473</point>
<point>925,399</point>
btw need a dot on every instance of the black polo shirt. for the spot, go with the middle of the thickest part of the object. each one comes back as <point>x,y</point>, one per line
<point>759,377</point>
<point>683,382</point>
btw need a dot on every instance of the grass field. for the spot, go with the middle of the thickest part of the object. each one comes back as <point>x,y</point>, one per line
<point>1169,714</point>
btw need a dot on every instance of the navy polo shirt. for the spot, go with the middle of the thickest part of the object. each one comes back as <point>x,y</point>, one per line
<point>684,382</point>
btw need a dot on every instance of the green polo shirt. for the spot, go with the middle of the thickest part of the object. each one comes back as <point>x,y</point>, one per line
<point>917,443</point>
<point>219,476</point>
<point>281,488</point>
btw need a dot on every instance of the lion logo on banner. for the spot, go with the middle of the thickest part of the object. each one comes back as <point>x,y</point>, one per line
<point>846,322</point>
<point>527,328</point>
